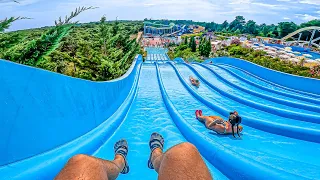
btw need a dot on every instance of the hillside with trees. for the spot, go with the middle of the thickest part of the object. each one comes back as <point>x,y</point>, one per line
<point>241,26</point>
<point>95,51</point>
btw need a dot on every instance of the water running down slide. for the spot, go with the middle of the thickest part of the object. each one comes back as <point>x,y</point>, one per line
<point>272,154</point>
<point>269,86</point>
<point>159,98</point>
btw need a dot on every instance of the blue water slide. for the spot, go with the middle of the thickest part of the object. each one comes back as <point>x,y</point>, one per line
<point>252,161</point>
<point>267,103</point>
<point>178,60</point>
<point>140,113</point>
<point>284,80</point>
<point>232,79</point>
<point>46,118</point>
<point>263,85</point>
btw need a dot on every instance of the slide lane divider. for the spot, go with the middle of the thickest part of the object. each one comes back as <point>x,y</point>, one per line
<point>267,97</point>
<point>307,134</point>
<point>274,110</point>
<point>47,165</point>
<point>274,84</point>
<point>230,163</point>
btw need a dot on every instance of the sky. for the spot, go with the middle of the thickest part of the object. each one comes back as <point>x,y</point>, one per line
<point>44,12</point>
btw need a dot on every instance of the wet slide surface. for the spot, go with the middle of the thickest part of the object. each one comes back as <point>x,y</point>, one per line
<point>161,99</point>
<point>147,114</point>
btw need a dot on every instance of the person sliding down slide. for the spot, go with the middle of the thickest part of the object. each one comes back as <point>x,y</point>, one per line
<point>220,126</point>
<point>194,81</point>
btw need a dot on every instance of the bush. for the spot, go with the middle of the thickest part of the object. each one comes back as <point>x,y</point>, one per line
<point>260,58</point>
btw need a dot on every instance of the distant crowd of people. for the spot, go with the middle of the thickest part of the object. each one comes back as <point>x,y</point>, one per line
<point>157,42</point>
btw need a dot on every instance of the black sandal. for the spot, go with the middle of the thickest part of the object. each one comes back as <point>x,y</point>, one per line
<point>121,148</point>
<point>156,141</point>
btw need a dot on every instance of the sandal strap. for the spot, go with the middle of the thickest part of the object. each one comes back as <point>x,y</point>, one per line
<point>122,150</point>
<point>155,143</point>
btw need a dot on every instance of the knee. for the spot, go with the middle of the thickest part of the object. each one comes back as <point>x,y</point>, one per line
<point>186,146</point>
<point>182,152</point>
<point>79,158</point>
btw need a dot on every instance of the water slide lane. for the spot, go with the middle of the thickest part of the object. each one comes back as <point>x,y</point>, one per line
<point>258,136</point>
<point>266,163</point>
<point>147,114</point>
<point>47,164</point>
<point>213,80</point>
<point>244,86</point>
<point>272,86</point>
<point>206,93</point>
<point>263,104</point>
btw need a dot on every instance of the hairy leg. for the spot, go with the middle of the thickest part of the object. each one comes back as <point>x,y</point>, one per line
<point>182,161</point>
<point>88,167</point>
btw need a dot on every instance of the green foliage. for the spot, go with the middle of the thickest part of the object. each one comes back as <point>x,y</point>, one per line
<point>260,58</point>
<point>251,27</point>
<point>5,24</point>
<point>104,34</point>
<point>315,22</point>
<point>284,28</point>
<point>73,14</point>
<point>237,24</point>
<point>88,51</point>
<point>192,44</point>
<point>186,40</point>
<point>205,47</point>
<point>30,52</point>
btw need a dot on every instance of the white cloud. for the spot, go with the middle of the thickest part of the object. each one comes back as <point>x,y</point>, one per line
<point>270,6</point>
<point>286,18</point>
<point>314,2</point>
<point>240,1</point>
<point>148,5</point>
<point>306,17</point>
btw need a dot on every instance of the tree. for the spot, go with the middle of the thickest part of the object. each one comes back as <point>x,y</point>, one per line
<point>186,40</point>
<point>5,24</point>
<point>103,34</point>
<point>115,27</point>
<point>73,14</point>
<point>207,48</point>
<point>238,23</point>
<point>237,32</point>
<point>315,22</point>
<point>285,28</point>
<point>251,27</point>
<point>225,25</point>
<point>265,31</point>
<point>202,47</point>
<point>193,44</point>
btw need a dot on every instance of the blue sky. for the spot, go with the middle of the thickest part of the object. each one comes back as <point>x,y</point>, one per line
<point>45,12</point>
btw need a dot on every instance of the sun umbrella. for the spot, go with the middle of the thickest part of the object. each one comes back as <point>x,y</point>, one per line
<point>282,52</point>
<point>295,60</point>
<point>271,52</point>
<point>284,56</point>
<point>307,55</point>
<point>310,61</point>
<point>291,55</point>
<point>272,49</point>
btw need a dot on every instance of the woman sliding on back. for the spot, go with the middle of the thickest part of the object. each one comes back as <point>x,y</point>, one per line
<point>220,126</point>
